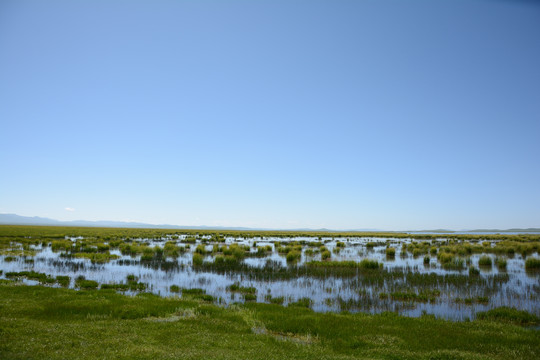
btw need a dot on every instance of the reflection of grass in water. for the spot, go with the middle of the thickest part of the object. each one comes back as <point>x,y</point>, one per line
<point>473,300</point>
<point>422,296</point>
<point>375,278</point>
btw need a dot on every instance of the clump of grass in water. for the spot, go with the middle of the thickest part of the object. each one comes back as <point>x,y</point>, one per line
<point>172,250</point>
<point>175,288</point>
<point>532,263</point>
<point>294,256</point>
<point>366,264</point>
<point>390,252</point>
<point>84,284</point>
<point>455,264</point>
<point>197,293</point>
<point>197,259</point>
<point>418,252</point>
<point>236,287</point>
<point>95,258</point>
<point>444,257</point>
<point>263,251</point>
<point>501,263</point>
<point>63,280</point>
<point>302,302</point>
<point>473,300</point>
<point>193,291</point>
<point>32,275</point>
<point>274,300</point>
<point>200,249</point>
<point>485,261</point>
<point>325,255</point>
<point>132,284</point>
<point>509,315</point>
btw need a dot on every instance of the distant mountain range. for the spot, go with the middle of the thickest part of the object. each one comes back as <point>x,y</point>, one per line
<point>13,219</point>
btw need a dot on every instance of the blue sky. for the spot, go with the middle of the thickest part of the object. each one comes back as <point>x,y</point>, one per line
<point>379,114</point>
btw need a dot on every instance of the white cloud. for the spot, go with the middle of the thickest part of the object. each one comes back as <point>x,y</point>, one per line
<point>69,209</point>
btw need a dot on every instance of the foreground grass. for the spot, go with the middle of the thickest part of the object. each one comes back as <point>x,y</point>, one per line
<point>40,322</point>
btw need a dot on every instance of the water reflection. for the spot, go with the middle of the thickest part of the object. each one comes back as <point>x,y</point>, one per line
<point>401,287</point>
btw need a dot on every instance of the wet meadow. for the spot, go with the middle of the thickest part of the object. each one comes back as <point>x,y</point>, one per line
<point>87,293</point>
<point>450,276</point>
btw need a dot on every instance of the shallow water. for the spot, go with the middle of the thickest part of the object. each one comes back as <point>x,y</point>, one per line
<point>514,287</point>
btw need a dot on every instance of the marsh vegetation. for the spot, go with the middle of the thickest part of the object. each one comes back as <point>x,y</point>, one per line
<point>453,276</point>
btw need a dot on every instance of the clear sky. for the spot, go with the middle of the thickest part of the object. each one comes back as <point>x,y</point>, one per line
<point>392,115</point>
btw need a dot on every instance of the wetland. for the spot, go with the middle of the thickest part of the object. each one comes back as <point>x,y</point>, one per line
<point>450,276</point>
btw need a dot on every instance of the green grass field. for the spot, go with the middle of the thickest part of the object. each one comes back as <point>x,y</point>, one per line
<point>39,322</point>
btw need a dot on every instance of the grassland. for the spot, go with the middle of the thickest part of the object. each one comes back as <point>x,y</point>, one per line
<point>59,232</point>
<point>54,323</point>
<point>95,320</point>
